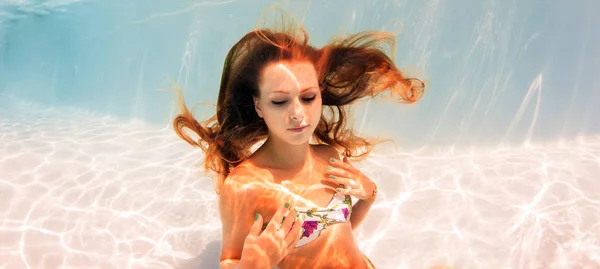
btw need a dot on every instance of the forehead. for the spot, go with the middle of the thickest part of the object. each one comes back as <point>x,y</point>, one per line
<point>288,76</point>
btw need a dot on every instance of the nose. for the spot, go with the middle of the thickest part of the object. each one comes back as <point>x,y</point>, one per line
<point>297,111</point>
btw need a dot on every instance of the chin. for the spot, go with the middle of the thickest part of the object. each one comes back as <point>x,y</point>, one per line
<point>298,139</point>
<point>295,139</point>
<point>298,142</point>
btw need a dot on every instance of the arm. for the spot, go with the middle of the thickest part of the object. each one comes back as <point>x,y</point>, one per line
<point>368,188</point>
<point>360,211</point>
<point>235,224</point>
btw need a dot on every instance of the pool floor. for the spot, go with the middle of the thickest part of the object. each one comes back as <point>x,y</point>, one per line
<point>81,190</point>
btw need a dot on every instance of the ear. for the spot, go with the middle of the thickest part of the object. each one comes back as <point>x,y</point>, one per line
<point>257,106</point>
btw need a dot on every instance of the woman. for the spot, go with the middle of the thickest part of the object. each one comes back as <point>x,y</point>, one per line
<point>288,203</point>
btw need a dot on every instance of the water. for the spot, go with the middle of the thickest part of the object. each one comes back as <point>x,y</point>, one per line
<point>497,166</point>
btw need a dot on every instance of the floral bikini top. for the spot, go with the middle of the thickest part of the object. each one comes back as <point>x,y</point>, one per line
<point>317,219</point>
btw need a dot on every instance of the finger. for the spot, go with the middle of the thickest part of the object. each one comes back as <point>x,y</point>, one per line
<point>339,172</point>
<point>351,191</point>
<point>275,222</point>
<point>355,193</point>
<point>345,164</point>
<point>336,180</point>
<point>257,225</point>
<point>346,190</point>
<point>287,223</point>
<point>342,181</point>
<point>342,191</point>
<point>295,233</point>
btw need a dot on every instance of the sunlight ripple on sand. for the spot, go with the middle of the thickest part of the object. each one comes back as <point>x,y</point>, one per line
<point>80,190</point>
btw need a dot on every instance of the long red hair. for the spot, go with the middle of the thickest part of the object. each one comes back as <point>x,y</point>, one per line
<point>349,69</point>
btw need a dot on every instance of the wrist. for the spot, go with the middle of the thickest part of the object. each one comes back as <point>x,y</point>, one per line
<point>374,192</point>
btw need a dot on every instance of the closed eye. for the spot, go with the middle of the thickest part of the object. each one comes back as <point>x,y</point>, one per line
<point>280,103</point>
<point>309,99</point>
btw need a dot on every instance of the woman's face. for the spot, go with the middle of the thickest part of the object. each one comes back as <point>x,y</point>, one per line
<point>290,100</point>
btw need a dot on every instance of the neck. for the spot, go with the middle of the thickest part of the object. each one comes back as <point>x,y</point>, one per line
<point>287,157</point>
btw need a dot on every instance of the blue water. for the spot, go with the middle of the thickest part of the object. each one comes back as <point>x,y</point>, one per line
<point>506,125</point>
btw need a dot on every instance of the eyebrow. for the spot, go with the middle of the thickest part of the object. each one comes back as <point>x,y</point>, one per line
<point>284,92</point>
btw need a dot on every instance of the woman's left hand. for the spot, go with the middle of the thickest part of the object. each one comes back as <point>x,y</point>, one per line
<point>350,180</point>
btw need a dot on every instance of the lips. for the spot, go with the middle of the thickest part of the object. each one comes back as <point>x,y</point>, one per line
<point>297,129</point>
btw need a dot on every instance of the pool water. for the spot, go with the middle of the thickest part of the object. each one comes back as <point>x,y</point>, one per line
<point>82,190</point>
<point>497,167</point>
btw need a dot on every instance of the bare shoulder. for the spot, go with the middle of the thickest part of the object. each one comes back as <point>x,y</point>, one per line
<point>326,152</point>
<point>238,201</point>
<point>245,182</point>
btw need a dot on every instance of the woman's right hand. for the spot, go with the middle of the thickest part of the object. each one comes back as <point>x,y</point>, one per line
<point>267,248</point>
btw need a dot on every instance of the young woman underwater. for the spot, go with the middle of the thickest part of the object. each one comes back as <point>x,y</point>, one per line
<point>288,203</point>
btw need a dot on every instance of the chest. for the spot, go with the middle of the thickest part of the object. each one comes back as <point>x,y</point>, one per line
<point>310,189</point>
<point>311,194</point>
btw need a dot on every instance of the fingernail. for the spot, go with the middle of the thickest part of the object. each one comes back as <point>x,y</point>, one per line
<point>301,230</point>
<point>255,216</point>
<point>287,205</point>
<point>332,160</point>
<point>302,217</point>
<point>338,189</point>
<point>332,177</point>
<point>329,168</point>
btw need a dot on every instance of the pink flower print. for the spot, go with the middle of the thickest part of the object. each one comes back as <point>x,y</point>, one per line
<point>345,211</point>
<point>309,227</point>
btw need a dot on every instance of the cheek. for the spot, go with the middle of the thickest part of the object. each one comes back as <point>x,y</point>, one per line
<point>272,117</point>
<point>315,111</point>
